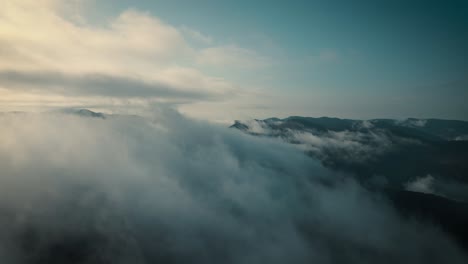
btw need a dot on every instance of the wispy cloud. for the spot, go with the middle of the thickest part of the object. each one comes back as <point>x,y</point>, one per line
<point>197,35</point>
<point>232,55</point>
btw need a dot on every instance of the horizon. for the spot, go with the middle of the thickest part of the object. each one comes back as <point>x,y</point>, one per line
<point>231,122</point>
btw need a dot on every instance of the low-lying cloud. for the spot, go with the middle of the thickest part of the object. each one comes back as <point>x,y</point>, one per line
<point>438,186</point>
<point>423,185</point>
<point>349,146</point>
<point>168,189</point>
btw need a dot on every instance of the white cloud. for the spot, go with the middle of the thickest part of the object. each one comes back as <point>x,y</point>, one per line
<point>197,35</point>
<point>51,37</point>
<point>134,43</point>
<point>349,146</point>
<point>462,138</point>
<point>422,185</point>
<point>232,55</point>
<point>450,189</point>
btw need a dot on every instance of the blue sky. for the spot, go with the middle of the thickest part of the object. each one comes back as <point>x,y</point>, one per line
<point>376,49</point>
<point>356,59</point>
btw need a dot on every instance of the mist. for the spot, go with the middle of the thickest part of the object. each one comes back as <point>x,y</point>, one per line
<point>165,188</point>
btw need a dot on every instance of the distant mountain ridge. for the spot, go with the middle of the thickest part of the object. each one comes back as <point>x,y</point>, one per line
<point>84,113</point>
<point>420,164</point>
<point>399,150</point>
<point>430,129</point>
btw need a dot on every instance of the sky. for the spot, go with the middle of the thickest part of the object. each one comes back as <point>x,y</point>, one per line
<point>226,60</point>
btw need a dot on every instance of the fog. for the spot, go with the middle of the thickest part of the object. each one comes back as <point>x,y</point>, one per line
<point>165,188</point>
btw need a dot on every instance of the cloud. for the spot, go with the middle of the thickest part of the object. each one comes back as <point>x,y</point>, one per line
<point>98,85</point>
<point>133,54</point>
<point>232,55</point>
<point>347,146</point>
<point>351,146</point>
<point>440,186</point>
<point>196,35</point>
<point>133,42</point>
<point>164,188</point>
<point>423,185</point>
<point>411,122</point>
<point>462,138</point>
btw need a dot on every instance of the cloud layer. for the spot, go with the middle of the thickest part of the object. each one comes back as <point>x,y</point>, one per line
<point>167,189</point>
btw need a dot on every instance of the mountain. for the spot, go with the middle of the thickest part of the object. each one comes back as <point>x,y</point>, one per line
<point>423,129</point>
<point>400,151</point>
<point>420,165</point>
<point>83,113</point>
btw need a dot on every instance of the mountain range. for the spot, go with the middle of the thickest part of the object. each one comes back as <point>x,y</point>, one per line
<point>420,165</point>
